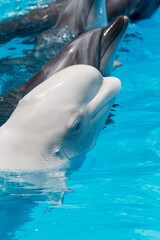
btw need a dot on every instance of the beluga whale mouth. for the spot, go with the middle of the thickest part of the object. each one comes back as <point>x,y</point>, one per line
<point>58,120</point>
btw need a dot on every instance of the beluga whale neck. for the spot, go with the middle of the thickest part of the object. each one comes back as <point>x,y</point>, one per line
<point>58,120</point>
<point>82,15</point>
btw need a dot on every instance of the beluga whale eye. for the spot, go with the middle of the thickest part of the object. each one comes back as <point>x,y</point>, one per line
<point>76,124</point>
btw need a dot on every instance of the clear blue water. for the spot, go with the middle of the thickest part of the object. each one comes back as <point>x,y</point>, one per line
<point>116,193</point>
<point>16,8</point>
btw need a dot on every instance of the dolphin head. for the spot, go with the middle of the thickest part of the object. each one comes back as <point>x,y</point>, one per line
<point>111,37</point>
<point>83,15</point>
<point>96,47</point>
<point>63,116</point>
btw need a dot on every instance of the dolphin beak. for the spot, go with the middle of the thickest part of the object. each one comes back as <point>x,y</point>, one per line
<point>110,39</point>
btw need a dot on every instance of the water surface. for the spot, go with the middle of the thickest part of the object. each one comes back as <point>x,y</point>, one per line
<point>116,192</point>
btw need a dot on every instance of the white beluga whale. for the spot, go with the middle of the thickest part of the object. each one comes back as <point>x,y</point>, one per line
<point>58,120</point>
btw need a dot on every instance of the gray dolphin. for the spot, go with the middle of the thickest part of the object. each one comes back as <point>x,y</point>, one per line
<point>134,9</point>
<point>83,15</point>
<point>96,47</point>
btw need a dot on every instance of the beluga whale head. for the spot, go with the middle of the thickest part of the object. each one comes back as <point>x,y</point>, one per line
<point>58,120</point>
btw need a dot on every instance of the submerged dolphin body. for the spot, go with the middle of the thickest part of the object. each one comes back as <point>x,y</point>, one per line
<point>134,9</point>
<point>41,19</point>
<point>81,16</point>
<point>58,120</point>
<point>33,22</point>
<point>96,47</point>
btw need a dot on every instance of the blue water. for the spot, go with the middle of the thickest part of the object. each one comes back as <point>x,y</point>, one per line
<point>116,193</point>
<point>16,8</point>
